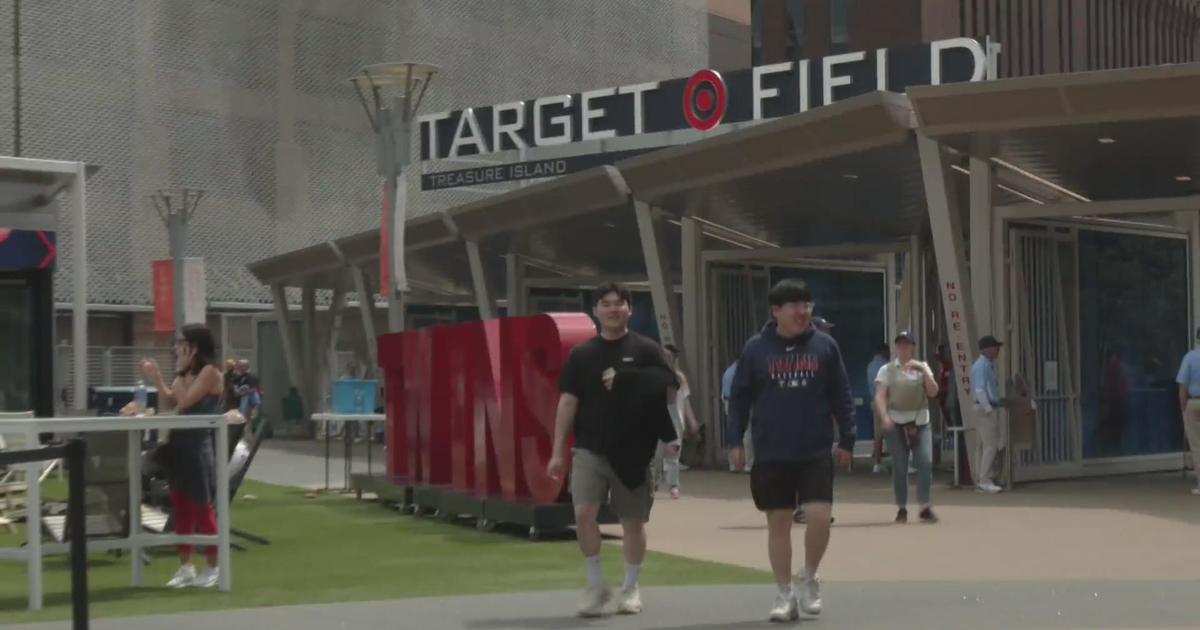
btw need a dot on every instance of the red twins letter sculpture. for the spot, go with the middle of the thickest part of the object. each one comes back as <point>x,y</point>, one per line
<point>477,404</point>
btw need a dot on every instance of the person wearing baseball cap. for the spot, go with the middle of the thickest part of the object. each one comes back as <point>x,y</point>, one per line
<point>903,388</point>
<point>985,388</point>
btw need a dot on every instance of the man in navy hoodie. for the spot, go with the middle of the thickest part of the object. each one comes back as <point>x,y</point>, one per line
<point>790,380</point>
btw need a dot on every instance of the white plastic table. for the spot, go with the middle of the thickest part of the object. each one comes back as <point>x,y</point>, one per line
<point>34,550</point>
<point>346,419</point>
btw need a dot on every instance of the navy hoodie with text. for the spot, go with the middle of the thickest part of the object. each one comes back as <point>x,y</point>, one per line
<point>791,390</point>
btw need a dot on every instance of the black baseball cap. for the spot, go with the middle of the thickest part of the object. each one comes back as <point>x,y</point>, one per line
<point>905,336</point>
<point>821,323</point>
<point>989,342</point>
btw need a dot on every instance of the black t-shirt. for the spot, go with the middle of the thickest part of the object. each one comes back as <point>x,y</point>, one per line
<point>582,377</point>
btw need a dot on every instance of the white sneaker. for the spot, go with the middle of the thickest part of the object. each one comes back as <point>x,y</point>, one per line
<point>185,576</point>
<point>594,600</point>
<point>810,594</point>
<point>207,578</point>
<point>1196,491</point>
<point>876,469</point>
<point>988,488</point>
<point>784,609</point>
<point>629,601</point>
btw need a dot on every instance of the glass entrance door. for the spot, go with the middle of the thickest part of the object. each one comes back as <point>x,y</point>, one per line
<point>1043,353</point>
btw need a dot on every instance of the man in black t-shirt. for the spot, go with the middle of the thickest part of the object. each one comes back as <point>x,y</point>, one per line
<point>601,386</point>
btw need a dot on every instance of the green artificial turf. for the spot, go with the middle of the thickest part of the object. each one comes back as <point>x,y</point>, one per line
<point>335,549</point>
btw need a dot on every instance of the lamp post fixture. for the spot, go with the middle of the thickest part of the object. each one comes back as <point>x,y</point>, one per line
<point>390,95</point>
<point>175,207</point>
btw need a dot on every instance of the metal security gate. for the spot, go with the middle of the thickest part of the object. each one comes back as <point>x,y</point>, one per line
<point>1044,353</point>
<point>739,309</point>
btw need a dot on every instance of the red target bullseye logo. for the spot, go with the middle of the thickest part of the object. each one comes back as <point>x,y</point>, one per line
<point>704,100</point>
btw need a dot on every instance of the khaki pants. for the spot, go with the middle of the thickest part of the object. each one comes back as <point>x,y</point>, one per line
<point>1191,427</point>
<point>991,432</point>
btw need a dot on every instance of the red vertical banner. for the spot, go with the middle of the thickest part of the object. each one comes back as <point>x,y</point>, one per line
<point>163,280</point>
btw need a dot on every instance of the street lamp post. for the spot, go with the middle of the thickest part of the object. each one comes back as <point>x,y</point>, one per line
<point>175,208</point>
<point>390,94</point>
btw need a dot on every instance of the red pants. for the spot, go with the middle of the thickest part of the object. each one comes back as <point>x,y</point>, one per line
<point>190,517</point>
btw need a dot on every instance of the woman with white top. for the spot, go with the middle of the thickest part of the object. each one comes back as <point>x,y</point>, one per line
<point>682,415</point>
<point>903,389</point>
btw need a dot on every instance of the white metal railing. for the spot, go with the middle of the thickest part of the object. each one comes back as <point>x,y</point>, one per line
<point>118,366</point>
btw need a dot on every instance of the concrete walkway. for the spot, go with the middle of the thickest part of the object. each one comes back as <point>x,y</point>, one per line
<point>861,606</point>
<point>1118,553</point>
<point>1142,527</point>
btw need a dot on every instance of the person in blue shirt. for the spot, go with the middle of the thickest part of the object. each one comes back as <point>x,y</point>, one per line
<point>1189,403</point>
<point>985,388</point>
<point>748,440</point>
<point>882,358</point>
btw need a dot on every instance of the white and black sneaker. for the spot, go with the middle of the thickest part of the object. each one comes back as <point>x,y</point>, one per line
<point>785,608</point>
<point>810,593</point>
<point>595,598</point>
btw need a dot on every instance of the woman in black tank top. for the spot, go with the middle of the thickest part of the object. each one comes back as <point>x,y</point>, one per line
<point>191,465</point>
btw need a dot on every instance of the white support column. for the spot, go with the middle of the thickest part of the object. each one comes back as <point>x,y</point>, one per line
<point>484,299</point>
<point>365,308</point>
<point>79,275</point>
<point>658,270</point>
<point>916,291</point>
<point>903,297</point>
<point>894,298</point>
<point>952,277</point>
<point>692,266</point>
<point>1191,221</point>
<point>308,347</point>
<point>695,326</point>
<point>291,350</point>
<point>981,245</point>
<point>515,289</point>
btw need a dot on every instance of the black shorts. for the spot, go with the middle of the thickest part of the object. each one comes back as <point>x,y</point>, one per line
<point>788,485</point>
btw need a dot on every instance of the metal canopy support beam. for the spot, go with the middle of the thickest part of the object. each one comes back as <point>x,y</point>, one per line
<point>952,277</point>
<point>516,291</point>
<point>329,340</point>
<point>982,256</point>
<point>79,275</point>
<point>651,229</point>
<point>368,320</point>
<point>484,300</point>
<point>287,337</point>
<point>792,253</point>
<point>1099,208</point>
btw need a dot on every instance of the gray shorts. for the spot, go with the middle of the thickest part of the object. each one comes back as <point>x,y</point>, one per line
<point>594,481</point>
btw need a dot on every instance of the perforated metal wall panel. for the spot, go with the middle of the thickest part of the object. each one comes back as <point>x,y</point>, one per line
<point>248,100</point>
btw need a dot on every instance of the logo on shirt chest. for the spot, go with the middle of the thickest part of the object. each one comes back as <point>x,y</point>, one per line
<point>793,370</point>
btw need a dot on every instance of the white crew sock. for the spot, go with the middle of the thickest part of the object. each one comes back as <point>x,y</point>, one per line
<point>632,571</point>
<point>595,577</point>
<point>785,589</point>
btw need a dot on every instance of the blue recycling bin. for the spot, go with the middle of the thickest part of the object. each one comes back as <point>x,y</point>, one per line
<point>353,396</point>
